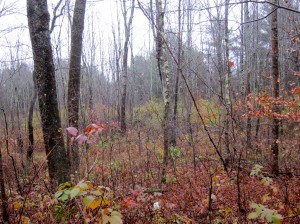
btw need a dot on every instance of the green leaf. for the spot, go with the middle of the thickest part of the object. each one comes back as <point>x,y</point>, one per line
<point>58,194</point>
<point>113,218</point>
<point>269,217</point>
<point>252,215</point>
<point>97,193</point>
<point>64,197</point>
<point>276,219</point>
<point>253,205</point>
<point>83,186</point>
<point>67,192</point>
<point>88,200</point>
<point>74,192</point>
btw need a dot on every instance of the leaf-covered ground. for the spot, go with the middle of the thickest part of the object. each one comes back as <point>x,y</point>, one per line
<point>129,169</point>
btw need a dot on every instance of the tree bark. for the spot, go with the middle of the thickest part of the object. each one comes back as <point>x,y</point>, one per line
<point>38,22</point>
<point>179,54</point>
<point>74,77</point>
<point>4,206</point>
<point>127,26</point>
<point>275,73</point>
<point>227,86</point>
<point>30,126</point>
<point>248,74</point>
<point>164,73</point>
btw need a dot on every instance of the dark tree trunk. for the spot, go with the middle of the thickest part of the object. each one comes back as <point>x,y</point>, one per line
<point>38,22</point>
<point>275,72</point>
<point>74,76</point>
<point>30,126</point>
<point>4,206</point>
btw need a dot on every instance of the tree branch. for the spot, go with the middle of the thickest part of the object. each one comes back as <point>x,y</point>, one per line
<point>56,16</point>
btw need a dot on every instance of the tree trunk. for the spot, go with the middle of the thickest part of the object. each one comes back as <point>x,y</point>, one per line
<point>74,77</point>
<point>179,53</point>
<point>275,73</point>
<point>227,86</point>
<point>164,73</point>
<point>127,27</point>
<point>30,126</point>
<point>4,206</point>
<point>248,74</point>
<point>38,22</point>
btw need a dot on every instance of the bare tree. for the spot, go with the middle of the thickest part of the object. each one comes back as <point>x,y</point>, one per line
<point>44,74</point>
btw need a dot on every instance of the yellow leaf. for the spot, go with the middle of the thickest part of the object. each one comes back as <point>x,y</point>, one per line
<point>215,178</point>
<point>16,205</point>
<point>64,186</point>
<point>25,220</point>
<point>266,197</point>
<point>95,204</point>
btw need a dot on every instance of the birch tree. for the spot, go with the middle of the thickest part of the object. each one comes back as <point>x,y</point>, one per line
<point>164,74</point>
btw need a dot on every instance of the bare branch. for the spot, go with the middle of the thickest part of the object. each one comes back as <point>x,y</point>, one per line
<point>55,15</point>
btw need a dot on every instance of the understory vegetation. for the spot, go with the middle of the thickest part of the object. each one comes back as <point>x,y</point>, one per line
<point>120,182</point>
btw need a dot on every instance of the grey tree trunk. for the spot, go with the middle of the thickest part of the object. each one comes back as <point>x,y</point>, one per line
<point>227,85</point>
<point>248,73</point>
<point>164,73</point>
<point>74,76</point>
<point>127,27</point>
<point>179,54</point>
<point>38,22</point>
<point>275,73</point>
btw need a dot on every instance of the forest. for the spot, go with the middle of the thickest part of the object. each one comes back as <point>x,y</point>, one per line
<point>150,111</point>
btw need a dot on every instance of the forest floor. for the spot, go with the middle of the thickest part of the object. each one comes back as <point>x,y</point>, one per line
<point>126,172</point>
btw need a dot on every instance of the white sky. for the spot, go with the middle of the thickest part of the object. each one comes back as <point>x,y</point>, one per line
<point>101,13</point>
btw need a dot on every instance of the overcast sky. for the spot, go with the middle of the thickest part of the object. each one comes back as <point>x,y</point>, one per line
<point>100,14</point>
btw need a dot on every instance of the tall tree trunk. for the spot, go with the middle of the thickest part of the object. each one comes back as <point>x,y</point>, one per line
<point>227,85</point>
<point>127,27</point>
<point>179,53</point>
<point>164,73</point>
<point>248,73</point>
<point>275,73</point>
<point>74,77</point>
<point>38,22</point>
<point>117,68</point>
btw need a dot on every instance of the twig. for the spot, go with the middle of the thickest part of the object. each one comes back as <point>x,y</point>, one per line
<point>94,164</point>
<point>12,158</point>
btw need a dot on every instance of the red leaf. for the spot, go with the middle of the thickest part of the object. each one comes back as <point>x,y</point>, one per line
<point>230,64</point>
<point>93,129</point>
<point>295,39</point>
